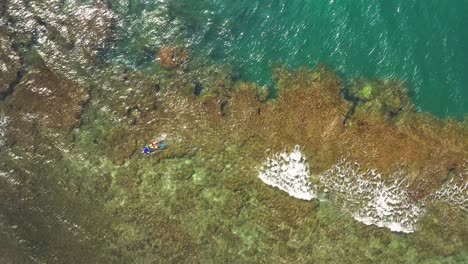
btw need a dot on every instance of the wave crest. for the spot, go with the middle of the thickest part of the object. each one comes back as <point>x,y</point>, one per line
<point>289,173</point>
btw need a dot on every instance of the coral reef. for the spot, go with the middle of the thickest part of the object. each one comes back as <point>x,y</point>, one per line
<point>454,191</point>
<point>171,57</point>
<point>9,64</point>
<point>371,200</point>
<point>379,101</point>
<point>204,186</point>
<point>366,92</point>
<point>74,187</point>
<point>68,36</point>
<point>47,100</point>
<point>3,125</point>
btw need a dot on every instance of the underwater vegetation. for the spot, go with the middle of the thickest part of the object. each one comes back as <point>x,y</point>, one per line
<point>74,187</point>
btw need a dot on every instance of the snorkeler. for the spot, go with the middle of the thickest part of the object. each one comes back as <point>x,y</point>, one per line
<point>154,148</point>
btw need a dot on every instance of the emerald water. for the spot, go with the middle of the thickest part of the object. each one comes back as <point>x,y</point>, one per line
<point>422,43</point>
<point>334,165</point>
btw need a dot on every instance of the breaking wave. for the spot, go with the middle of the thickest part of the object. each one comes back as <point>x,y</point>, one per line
<point>3,124</point>
<point>454,191</point>
<point>364,195</point>
<point>371,200</point>
<point>289,173</point>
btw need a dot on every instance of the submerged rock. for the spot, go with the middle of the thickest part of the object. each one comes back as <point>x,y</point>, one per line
<point>10,65</point>
<point>379,100</point>
<point>91,28</point>
<point>43,108</point>
<point>218,188</point>
<point>171,57</point>
<point>67,35</point>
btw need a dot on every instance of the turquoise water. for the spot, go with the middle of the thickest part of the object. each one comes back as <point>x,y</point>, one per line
<point>74,187</point>
<point>422,42</point>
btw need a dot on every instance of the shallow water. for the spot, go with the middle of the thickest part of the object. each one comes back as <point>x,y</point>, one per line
<point>75,189</point>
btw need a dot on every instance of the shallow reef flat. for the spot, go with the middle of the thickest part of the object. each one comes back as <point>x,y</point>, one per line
<point>75,187</point>
<point>200,199</point>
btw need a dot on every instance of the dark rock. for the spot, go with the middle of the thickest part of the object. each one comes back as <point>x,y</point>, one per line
<point>10,66</point>
<point>68,36</point>
<point>43,110</point>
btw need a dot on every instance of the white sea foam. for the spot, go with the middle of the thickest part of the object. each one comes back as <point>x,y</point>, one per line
<point>3,125</point>
<point>364,195</point>
<point>455,191</point>
<point>289,173</point>
<point>371,200</point>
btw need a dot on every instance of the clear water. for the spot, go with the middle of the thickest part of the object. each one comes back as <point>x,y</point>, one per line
<point>422,42</point>
<point>70,202</point>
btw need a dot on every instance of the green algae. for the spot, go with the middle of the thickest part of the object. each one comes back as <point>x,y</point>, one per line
<point>200,201</point>
<point>207,198</point>
<point>366,92</point>
<point>208,206</point>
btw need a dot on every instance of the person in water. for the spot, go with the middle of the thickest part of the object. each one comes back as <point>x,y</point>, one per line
<point>153,148</point>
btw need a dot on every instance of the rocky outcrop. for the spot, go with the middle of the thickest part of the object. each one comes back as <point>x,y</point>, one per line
<point>171,57</point>
<point>10,65</point>
<point>44,108</point>
<point>68,36</point>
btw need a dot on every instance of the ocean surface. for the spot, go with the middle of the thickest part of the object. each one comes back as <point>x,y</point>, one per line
<point>82,91</point>
<point>423,43</point>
